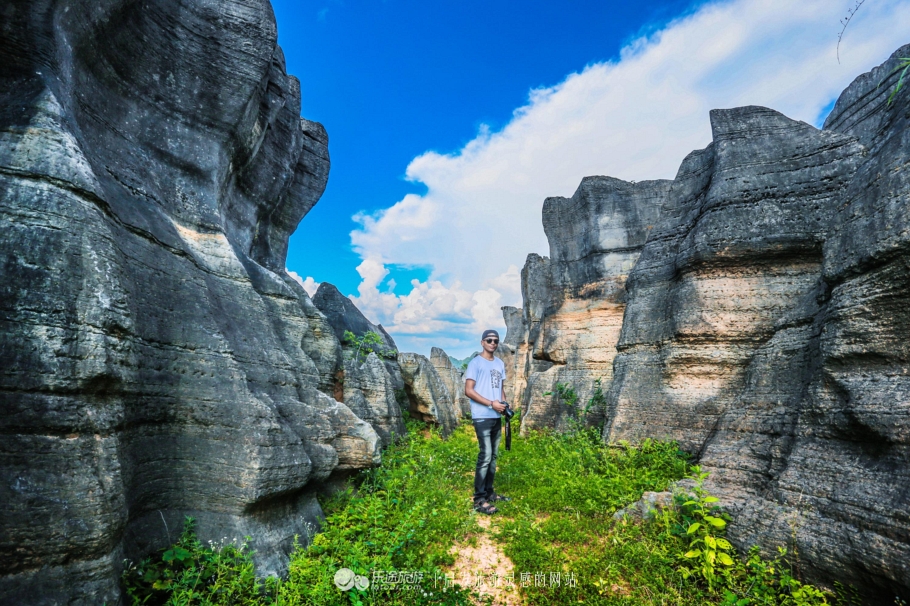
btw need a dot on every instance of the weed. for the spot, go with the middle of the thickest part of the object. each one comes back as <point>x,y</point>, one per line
<point>190,572</point>
<point>598,399</point>
<point>565,394</point>
<point>702,524</point>
<point>902,67</point>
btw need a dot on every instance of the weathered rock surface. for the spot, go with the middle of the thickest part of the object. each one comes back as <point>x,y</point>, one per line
<point>157,360</point>
<point>370,391</point>
<point>575,300</point>
<point>375,394</point>
<point>761,335</point>
<point>648,507</point>
<point>765,329</point>
<point>428,396</point>
<point>453,380</point>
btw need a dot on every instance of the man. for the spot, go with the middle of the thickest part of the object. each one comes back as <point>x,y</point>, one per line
<point>484,380</point>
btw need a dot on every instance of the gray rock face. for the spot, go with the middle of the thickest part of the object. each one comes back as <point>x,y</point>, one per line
<point>763,332</point>
<point>765,328</point>
<point>369,391</point>
<point>453,380</point>
<point>158,362</point>
<point>343,315</point>
<point>731,269</point>
<point>751,335</point>
<point>429,399</point>
<point>374,394</point>
<point>574,301</point>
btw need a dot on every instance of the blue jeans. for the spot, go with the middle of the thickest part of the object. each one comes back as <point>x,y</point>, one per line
<point>488,433</point>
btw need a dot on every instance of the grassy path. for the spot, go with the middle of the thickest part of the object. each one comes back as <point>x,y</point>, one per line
<point>481,563</point>
<point>407,530</point>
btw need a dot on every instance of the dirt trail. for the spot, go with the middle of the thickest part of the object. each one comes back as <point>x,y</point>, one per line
<point>486,568</point>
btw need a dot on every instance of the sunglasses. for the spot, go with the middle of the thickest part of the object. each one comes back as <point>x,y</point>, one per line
<point>492,341</point>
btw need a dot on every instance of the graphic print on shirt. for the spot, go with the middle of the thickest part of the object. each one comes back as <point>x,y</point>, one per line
<point>496,379</point>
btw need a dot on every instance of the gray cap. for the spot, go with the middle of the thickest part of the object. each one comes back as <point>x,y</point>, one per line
<point>489,333</point>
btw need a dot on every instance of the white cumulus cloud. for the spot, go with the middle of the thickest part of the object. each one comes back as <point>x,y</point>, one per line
<point>309,284</point>
<point>634,118</point>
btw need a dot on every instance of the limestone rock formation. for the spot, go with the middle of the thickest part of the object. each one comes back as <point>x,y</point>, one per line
<point>370,392</point>
<point>158,362</point>
<point>429,399</point>
<point>515,361</point>
<point>575,299</point>
<point>762,331</point>
<point>765,328</point>
<point>453,380</point>
<point>375,394</point>
<point>343,315</point>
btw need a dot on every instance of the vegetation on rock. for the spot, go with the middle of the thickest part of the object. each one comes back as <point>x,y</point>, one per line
<point>367,343</point>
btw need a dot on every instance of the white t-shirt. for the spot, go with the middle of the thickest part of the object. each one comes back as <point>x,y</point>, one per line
<point>488,376</point>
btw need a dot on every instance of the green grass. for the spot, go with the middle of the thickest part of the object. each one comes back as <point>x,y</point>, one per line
<point>569,487</point>
<point>407,515</point>
<point>404,516</point>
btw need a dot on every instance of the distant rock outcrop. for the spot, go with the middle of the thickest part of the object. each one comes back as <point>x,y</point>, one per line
<point>370,392</point>
<point>343,315</point>
<point>428,396</point>
<point>453,380</point>
<point>568,329</point>
<point>375,394</point>
<point>378,388</point>
<point>158,362</point>
<point>765,326</point>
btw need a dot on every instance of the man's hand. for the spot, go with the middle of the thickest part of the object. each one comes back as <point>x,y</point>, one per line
<point>498,406</point>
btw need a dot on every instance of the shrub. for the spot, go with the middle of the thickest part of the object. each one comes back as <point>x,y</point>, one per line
<point>364,345</point>
<point>189,572</point>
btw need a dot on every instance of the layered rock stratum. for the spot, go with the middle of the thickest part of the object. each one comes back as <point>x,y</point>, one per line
<point>575,299</point>
<point>158,362</point>
<point>428,397</point>
<point>453,380</point>
<point>765,325</point>
<point>379,386</point>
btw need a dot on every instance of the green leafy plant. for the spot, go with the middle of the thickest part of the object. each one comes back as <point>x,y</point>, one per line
<point>189,572</point>
<point>364,345</point>
<point>598,399</point>
<point>703,524</point>
<point>565,393</point>
<point>902,67</point>
<point>764,582</point>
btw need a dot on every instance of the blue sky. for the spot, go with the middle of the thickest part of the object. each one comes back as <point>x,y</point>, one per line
<point>450,120</point>
<point>391,79</point>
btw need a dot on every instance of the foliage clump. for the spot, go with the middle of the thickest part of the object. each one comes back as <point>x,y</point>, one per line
<point>364,345</point>
<point>189,572</point>
<point>571,485</point>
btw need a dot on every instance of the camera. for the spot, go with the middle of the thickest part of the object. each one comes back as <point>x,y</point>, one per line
<point>508,413</point>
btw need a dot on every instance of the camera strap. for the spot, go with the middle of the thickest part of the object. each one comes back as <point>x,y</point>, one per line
<point>508,434</point>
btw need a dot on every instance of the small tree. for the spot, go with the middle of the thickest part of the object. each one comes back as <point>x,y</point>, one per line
<point>363,346</point>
